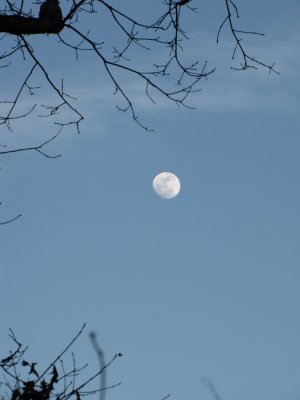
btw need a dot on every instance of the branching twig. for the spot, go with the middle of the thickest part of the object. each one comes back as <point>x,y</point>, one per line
<point>37,386</point>
<point>166,32</point>
<point>168,75</point>
<point>247,61</point>
<point>63,352</point>
<point>34,148</point>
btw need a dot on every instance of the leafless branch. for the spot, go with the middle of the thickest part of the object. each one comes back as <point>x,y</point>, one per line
<point>62,384</point>
<point>35,148</point>
<point>247,61</point>
<point>210,386</point>
<point>10,220</point>
<point>168,74</point>
<point>166,31</point>
<point>63,352</point>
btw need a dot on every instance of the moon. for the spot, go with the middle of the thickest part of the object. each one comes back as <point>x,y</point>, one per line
<point>166,185</point>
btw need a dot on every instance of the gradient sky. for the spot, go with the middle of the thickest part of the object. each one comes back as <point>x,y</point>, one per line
<point>204,285</point>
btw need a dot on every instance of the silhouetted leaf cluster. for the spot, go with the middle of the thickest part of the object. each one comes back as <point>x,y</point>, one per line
<point>23,381</point>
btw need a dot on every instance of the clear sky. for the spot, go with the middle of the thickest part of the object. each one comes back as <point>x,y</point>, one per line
<point>206,284</point>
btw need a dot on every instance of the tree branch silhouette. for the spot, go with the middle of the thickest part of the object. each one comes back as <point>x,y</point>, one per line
<point>18,25</point>
<point>168,74</point>
<point>22,380</point>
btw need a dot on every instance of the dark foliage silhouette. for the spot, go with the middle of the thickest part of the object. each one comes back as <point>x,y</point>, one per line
<point>21,379</point>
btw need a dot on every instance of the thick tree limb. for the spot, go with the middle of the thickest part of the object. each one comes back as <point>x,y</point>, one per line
<point>20,25</point>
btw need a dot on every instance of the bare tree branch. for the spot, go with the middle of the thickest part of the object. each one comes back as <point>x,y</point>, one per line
<point>247,61</point>
<point>210,386</point>
<point>167,74</point>
<point>22,380</point>
<point>36,148</point>
<point>166,32</point>
<point>10,220</point>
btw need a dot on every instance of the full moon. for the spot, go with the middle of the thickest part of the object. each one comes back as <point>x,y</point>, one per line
<point>166,185</point>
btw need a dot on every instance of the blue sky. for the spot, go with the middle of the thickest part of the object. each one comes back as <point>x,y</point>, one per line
<point>206,284</point>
